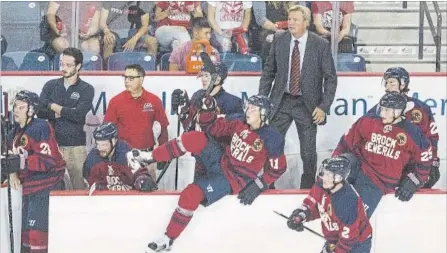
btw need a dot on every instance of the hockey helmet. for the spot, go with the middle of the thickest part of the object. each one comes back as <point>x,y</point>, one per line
<point>31,98</point>
<point>339,165</point>
<point>213,68</point>
<point>264,104</point>
<point>393,100</point>
<point>105,131</point>
<point>400,74</point>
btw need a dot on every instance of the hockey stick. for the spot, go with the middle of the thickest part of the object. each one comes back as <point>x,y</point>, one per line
<point>5,126</point>
<point>176,159</point>
<point>207,62</point>
<point>308,229</point>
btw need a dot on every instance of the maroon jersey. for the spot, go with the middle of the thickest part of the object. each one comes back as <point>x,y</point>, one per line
<point>343,218</point>
<point>420,114</point>
<point>385,150</point>
<point>250,153</point>
<point>112,173</point>
<point>45,166</point>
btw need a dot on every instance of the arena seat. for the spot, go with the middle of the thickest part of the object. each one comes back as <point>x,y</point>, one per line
<point>239,62</point>
<point>118,61</point>
<point>164,62</point>
<point>29,61</point>
<point>8,64</point>
<point>351,63</point>
<point>30,12</point>
<point>92,62</point>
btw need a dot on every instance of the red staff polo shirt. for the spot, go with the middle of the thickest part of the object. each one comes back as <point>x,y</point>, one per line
<point>134,117</point>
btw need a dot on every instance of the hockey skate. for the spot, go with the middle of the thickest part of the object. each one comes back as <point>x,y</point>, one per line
<point>162,244</point>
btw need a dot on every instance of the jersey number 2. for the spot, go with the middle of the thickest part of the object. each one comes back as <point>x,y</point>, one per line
<point>345,232</point>
<point>433,128</point>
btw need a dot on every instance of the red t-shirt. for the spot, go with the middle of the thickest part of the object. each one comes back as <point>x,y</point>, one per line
<point>325,9</point>
<point>181,15</point>
<point>135,117</point>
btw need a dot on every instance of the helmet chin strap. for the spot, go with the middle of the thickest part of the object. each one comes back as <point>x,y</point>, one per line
<point>333,187</point>
<point>112,150</point>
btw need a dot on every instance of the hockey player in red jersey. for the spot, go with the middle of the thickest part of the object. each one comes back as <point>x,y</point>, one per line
<point>253,160</point>
<point>106,166</point>
<point>385,143</point>
<point>397,79</point>
<point>227,104</point>
<point>332,199</point>
<point>42,169</point>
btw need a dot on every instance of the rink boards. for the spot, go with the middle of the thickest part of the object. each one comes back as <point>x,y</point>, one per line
<point>126,222</point>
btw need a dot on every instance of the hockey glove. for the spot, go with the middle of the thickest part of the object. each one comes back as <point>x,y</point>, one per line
<point>296,219</point>
<point>11,163</point>
<point>408,186</point>
<point>179,98</point>
<point>208,104</point>
<point>434,175</point>
<point>252,190</point>
<point>145,183</point>
<point>140,156</point>
<point>328,248</point>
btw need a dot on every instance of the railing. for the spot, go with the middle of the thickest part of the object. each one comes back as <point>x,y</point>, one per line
<point>423,11</point>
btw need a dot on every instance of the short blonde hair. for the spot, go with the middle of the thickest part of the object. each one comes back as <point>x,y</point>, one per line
<point>304,10</point>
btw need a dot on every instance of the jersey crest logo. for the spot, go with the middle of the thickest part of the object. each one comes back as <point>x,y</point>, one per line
<point>257,145</point>
<point>23,141</point>
<point>244,134</point>
<point>110,171</point>
<point>147,107</point>
<point>416,116</point>
<point>75,95</point>
<point>387,128</point>
<point>329,209</point>
<point>401,139</point>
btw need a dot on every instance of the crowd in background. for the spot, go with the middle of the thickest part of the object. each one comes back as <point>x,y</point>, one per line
<point>242,27</point>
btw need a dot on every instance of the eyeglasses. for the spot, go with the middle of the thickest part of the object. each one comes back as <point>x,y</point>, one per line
<point>61,64</point>
<point>130,78</point>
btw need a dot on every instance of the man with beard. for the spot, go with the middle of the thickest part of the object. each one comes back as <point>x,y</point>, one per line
<point>106,166</point>
<point>65,103</point>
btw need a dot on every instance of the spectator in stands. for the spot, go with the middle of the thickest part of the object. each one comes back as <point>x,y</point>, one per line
<point>65,103</point>
<point>7,62</point>
<point>303,90</point>
<point>272,17</point>
<point>230,18</point>
<point>201,31</point>
<point>322,15</point>
<point>89,32</point>
<point>135,110</point>
<point>122,15</point>
<point>174,22</point>
<point>59,19</point>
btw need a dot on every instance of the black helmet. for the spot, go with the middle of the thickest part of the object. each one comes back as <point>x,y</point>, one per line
<point>31,98</point>
<point>264,105</point>
<point>399,73</point>
<point>105,131</point>
<point>213,68</point>
<point>393,100</point>
<point>339,165</point>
